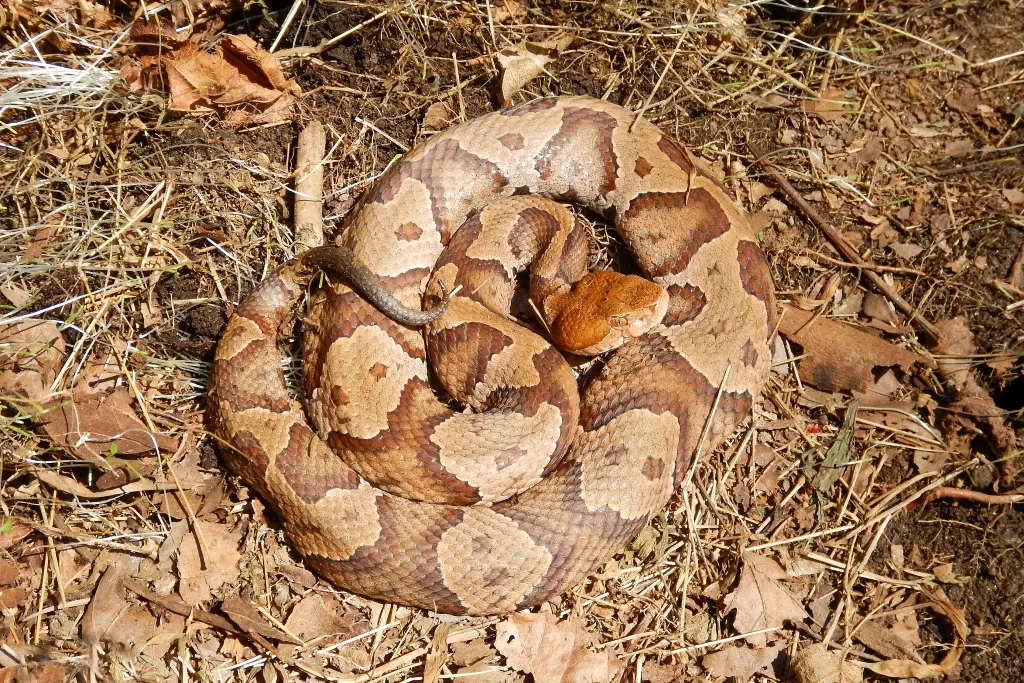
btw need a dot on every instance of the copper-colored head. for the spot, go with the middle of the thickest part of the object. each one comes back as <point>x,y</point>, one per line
<point>605,310</point>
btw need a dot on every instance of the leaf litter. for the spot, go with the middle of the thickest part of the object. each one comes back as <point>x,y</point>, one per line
<point>655,613</point>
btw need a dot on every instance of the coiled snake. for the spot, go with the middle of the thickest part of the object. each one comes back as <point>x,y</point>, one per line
<point>502,508</point>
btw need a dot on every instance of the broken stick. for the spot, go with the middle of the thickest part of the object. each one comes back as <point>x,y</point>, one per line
<point>309,187</point>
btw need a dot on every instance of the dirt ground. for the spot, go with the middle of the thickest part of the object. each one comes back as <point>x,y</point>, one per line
<point>132,231</point>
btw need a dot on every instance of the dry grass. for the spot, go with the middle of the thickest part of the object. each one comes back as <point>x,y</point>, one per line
<point>136,231</point>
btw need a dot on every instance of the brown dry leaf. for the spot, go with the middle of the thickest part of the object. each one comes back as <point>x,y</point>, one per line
<point>904,668</point>
<point>759,600</point>
<point>839,356</point>
<point>1016,275</point>
<point>107,604</point>
<point>972,402</point>
<point>908,251</point>
<point>238,79</point>
<point>817,664</point>
<point>1015,197</point>
<point>930,461</point>
<point>318,615</point>
<point>906,627</point>
<point>31,353</point>
<point>137,625</point>
<point>484,672</point>
<point>830,106</point>
<point>965,101</point>
<point>884,641</point>
<point>553,651</point>
<point>437,116</point>
<point>740,662</point>
<point>524,62</point>
<point>199,579</point>
<point>245,616</point>
<point>471,652</point>
<point>503,10</point>
<point>93,426</point>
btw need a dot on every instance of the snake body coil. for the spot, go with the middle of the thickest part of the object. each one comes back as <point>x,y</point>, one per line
<point>432,535</point>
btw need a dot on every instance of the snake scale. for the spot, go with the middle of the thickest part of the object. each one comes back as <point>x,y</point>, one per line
<point>388,492</point>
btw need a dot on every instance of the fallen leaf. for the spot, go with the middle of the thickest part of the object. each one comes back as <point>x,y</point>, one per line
<point>1014,196</point>
<point>838,356</point>
<point>930,461</point>
<point>958,265</point>
<point>906,250</point>
<point>884,641</point>
<point>503,10</point>
<point>906,627</point>
<point>553,651</point>
<point>203,572</point>
<point>31,354</point>
<point>830,106</point>
<point>524,62</point>
<point>837,459</point>
<point>238,79</point>
<point>817,664</point>
<point>878,307</point>
<point>973,403</point>
<point>471,652</point>
<point>740,662</point>
<point>13,530</point>
<point>759,600</point>
<point>922,130</point>
<point>965,101</point>
<point>94,426</point>
<point>107,604</point>
<point>483,672</point>
<point>437,116</point>
<point>1016,275</point>
<point>904,668</point>
<point>247,618</point>
<point>318,615</point>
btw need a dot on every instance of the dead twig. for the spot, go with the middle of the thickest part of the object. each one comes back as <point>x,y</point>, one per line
<point>840,243</point>
<point>976,496</point>
<point>865,266</point>
<point>309,187</point>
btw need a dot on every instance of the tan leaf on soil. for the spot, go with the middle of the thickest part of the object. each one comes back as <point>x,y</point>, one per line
<point>907,251</point>
<point>973,402</point>
<point>197,583</point>
<point>238,79</point>
<point>1015,197</point>
<point>524,62</point>
<point>437,116</point>
<point>830,106</point>
<point>92,426</point>
<point>471,652</point>
<point>884,641</point>
<point>31,353</point>
<point>507,9</point>
<point>839,356</point>
<point>740,662</point>
<point>759,600</point>
<point>817,664</point>
<point>553,651</point>
<point>904,668</point>
<point>107,604</point>
<point>319,615</point>
<point>247,618</point>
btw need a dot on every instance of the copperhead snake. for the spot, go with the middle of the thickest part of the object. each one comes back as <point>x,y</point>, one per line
<point>474,521</point>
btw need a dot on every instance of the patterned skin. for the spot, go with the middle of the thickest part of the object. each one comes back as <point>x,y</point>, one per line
<point>640,418</point>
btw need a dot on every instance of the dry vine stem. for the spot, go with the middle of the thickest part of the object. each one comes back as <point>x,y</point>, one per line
<point>844,247</point>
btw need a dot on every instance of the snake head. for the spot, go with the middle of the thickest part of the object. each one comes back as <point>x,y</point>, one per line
<point>605,310</point>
